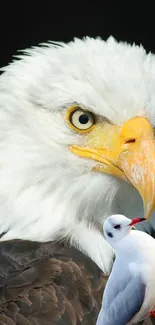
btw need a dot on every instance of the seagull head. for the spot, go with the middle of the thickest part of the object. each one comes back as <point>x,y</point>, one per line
<point>117,226</point>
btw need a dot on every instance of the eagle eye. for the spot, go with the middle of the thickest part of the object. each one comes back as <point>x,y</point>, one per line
<point>80,119</point>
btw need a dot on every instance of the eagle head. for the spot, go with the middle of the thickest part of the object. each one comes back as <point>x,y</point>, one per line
<point>76,141</point>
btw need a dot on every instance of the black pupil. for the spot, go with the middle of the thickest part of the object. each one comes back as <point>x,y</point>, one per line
<point>83,119</point>
<point>117,226</point>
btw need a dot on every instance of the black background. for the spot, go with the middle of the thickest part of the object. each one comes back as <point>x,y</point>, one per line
<point>23,25</point>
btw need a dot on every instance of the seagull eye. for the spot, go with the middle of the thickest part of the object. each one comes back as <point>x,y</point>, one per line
<point>80,119</point>
<point>117,226</point>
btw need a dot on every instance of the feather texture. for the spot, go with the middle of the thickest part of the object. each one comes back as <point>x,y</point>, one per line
<point>48,284</point>
<point>51,283</point>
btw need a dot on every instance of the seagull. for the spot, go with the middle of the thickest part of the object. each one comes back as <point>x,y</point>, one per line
<point>129,296</point>
<point>76,145</point>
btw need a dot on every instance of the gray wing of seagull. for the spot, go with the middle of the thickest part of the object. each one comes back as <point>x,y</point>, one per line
<point>123,296</point>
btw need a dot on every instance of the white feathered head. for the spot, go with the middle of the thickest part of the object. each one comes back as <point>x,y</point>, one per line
<point>76,141</point>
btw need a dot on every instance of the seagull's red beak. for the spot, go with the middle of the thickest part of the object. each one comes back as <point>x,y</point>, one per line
<point>136,220</point>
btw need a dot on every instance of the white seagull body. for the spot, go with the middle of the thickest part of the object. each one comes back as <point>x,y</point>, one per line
<point>129,296</point>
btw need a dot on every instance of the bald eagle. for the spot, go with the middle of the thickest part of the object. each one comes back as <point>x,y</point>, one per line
<point>76,145</point>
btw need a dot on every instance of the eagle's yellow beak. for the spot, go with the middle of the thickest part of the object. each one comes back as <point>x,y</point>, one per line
<point>126,151</point>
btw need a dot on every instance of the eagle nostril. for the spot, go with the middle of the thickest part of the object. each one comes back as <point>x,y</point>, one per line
<point>132,140</point>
